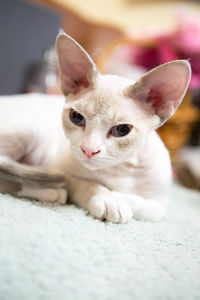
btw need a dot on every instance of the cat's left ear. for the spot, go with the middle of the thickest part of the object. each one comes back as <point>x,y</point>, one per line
<point>162,89</point>
<point>77,69</point>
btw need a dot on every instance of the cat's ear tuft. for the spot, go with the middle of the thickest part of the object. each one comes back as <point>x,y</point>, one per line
<point>77,69</point>
<point>162,88</point>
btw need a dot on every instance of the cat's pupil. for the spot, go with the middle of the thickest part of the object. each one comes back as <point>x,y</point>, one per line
<point>77,118</point>
<point>121,130</point>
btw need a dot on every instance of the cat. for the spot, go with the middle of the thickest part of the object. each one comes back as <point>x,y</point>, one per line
<point>97,144</point>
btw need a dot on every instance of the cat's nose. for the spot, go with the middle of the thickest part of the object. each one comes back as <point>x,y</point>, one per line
<point>88,152</point>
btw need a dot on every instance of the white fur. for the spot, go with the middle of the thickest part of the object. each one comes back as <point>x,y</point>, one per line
<point>130,176</point>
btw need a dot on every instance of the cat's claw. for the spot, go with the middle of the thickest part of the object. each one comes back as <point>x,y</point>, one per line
<point>106,207</point>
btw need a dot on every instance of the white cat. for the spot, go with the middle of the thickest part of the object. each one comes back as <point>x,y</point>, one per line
<point>112,162</point>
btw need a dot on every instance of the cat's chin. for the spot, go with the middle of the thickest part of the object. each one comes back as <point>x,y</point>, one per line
<point>90,166</point>
<point>93,166</point>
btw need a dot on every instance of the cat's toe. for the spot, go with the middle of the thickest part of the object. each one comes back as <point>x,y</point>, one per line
<point>112,213</point>
<point>97,207</point>
<point>61,196</point>
<point>102,208</point>
<point>125,214</point>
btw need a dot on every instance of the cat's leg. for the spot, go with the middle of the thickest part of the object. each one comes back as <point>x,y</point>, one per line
<point>51,195</point>
<point>8,187</point>
<point>99,201</point>
<point>33,182</point>
<point>12,148</point>
<point>21,180</point>
<point>147,209</point>
<point>115,206</point>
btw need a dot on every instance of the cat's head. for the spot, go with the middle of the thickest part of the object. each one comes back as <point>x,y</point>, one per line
<point>106,117</point>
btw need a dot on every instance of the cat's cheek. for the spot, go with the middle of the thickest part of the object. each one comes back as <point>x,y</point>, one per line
<point>73,136</point>
<point>127,146</point>
<point>71,131</point>
<point>124,145</point>
<point>119,147</point>
<point>75,140</point>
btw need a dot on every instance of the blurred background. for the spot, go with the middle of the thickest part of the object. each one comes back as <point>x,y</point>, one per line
<point>124,37</point>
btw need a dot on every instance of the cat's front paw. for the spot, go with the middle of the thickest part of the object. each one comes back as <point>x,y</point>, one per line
<point>106,207</point>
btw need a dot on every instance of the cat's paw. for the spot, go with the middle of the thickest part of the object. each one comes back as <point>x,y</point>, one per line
<point>106,207</point>
<point>50,195</point>
<point>61,196</point>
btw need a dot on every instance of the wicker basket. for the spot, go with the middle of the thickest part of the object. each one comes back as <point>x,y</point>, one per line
<point>176,132</point>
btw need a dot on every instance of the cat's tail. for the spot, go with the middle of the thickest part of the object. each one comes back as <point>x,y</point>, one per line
<point>30,175</point>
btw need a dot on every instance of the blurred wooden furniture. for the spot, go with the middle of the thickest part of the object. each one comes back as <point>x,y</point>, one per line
<point>125,14</point>
<point>176,132</point>
<point>187,167</point>
<point>94,36</point>
<point>96,23</point>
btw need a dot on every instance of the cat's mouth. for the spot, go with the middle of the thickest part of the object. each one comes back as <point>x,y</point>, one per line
<point>94,163</point>
<point>97,164</point>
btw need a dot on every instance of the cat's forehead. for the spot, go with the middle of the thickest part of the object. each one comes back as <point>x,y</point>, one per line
<point>106,99</point>
<point>94,109</point>
<point>112,84</point>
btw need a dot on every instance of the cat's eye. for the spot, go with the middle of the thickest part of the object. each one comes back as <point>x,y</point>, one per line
<point>120,130</point>
<point>76,118</point>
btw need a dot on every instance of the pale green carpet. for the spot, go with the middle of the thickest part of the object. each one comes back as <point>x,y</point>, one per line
<point>50,252</point>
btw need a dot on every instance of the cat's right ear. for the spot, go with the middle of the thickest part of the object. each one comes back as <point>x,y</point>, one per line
<point>77,69</point>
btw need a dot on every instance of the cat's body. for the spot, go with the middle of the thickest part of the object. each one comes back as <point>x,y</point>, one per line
<point>41,142</point>
<point>114,172</point>
<point>33,140</point>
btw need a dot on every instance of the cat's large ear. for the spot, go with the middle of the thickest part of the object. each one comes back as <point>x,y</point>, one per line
<point>76,67</point>
<point>163,88</point>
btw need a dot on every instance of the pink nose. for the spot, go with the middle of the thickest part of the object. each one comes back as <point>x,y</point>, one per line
<point>88,152</point>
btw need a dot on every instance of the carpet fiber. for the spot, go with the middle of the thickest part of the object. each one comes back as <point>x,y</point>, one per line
<point>50,252</point>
